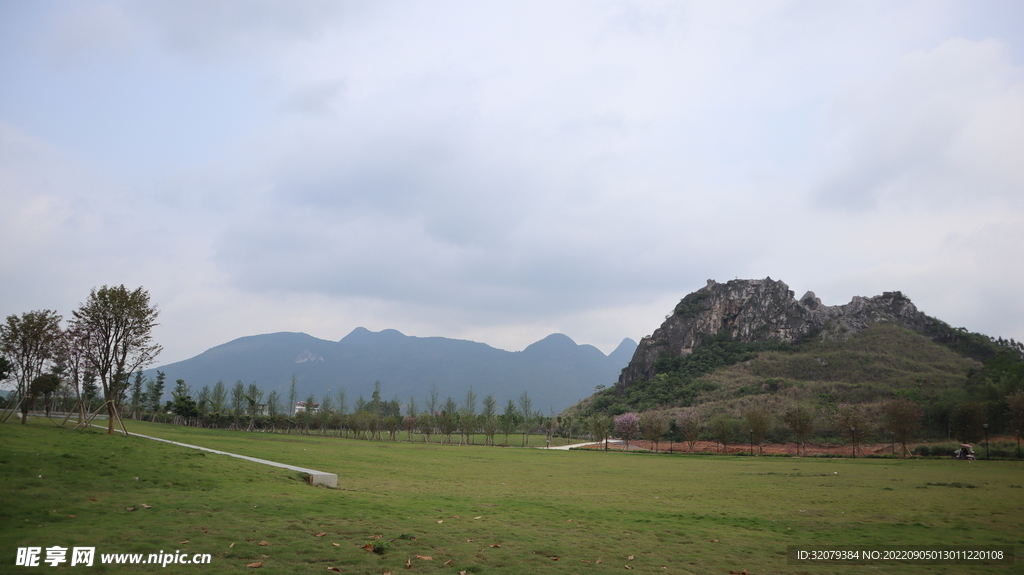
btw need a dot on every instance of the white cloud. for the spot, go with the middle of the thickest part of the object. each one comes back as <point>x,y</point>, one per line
<point>939,130</point>
<point>501,171</point>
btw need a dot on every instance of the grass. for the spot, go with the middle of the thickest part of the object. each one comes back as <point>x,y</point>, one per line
<point>480,509</point>
<point>867,368</point>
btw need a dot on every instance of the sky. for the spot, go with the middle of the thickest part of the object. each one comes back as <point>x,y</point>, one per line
<point>501,171</point>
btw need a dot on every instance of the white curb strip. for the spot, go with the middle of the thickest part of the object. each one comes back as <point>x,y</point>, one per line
<point>315,477</point>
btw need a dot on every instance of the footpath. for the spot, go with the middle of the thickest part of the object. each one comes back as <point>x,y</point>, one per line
<point>568,447</point>
<point>315,477</point>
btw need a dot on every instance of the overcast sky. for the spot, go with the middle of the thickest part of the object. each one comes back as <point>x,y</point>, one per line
<point>499,171</point>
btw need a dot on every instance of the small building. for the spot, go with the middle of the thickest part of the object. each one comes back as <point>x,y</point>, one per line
<point>301,407</point>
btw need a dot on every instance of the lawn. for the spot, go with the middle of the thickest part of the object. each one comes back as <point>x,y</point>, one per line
<point>480,509</point>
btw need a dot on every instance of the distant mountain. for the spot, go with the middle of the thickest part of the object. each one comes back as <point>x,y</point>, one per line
<point>556,371</point>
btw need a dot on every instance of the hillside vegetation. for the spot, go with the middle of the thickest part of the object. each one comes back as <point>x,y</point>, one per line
<point>871,367</point>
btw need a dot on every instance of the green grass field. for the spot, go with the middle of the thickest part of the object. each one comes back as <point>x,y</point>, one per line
<point>480,509</point>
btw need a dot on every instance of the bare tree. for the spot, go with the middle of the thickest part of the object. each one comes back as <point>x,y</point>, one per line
<point>801,421</point>
<point>654,424</point>
<point>851,421</point>
<point>489,418</point>
<point>758,423</point>
<point>29,342</point>
<point>71,356</point>
<point>433,400</point>
<point>119,324</point>
<point>526,408</point>
<point>293,395</point>
<point>690,426</point>
<point>508,420</point>
<point>467,417</point>
<point>902,419</point>
<point>722,430</point>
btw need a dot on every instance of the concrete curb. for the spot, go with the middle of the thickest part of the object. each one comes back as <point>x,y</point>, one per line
<point>315,477</point>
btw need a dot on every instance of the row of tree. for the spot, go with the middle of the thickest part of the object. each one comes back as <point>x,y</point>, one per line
<point>898,420</point>
<point>248,408</point>
<point>108,338</point>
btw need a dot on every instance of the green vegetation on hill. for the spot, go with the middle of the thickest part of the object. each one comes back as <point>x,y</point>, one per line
<point>941,370</point>
<point>676,377</point>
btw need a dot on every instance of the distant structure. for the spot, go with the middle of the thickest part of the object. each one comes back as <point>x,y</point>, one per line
<point>301,406</point>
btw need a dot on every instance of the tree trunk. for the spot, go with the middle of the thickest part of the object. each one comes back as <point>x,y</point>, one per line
<point>111,413</point>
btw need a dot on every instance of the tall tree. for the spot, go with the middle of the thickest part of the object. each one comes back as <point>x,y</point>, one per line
<point>71,356</point>
<point>801,421</point>
<point>467,417</point>
<point>526,408</point>
<point>203,400</point>
<point>654,425</point>
<point>119,324</point>
<point>273,404</point>
<point>600,426</point>
<point>218,398</point>
<point>758,424</point>
<point>293,395</point>
<point>851,421</point>
<point>722,430</point>
<point>44,385</point>
<point>433,400</point>
<point>489,418</point>
<point>29,342</point>
<point>137,398</point>
<point>690,426</point>
<point>238,402</point>
<point>509,419</point>
<point>627,426</point>
<point>182,403</point>
<point>374,406</point>
<point>342,396</point>
<point>902,419</point>
<point>90,391</point>
<point>181,389</point>
<point>155,391</point>
<point>327,403</point>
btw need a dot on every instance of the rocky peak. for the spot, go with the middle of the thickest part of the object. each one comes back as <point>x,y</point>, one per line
<point>761,311</point>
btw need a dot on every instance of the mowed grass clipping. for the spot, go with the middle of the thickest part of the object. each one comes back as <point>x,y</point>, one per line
<point>480,509</point>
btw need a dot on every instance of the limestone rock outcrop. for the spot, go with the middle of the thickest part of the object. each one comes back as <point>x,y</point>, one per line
<point>761,311</point>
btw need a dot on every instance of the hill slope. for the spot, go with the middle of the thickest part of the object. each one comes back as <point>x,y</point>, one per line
<point>773,351</point>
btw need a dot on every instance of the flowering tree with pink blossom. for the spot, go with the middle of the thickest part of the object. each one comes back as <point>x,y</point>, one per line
<point>627,426</point>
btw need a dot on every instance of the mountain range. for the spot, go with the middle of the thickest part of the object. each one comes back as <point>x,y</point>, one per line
<point>555,371</point>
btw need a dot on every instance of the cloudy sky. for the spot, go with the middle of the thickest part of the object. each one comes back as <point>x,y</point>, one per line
<point>499,171</point>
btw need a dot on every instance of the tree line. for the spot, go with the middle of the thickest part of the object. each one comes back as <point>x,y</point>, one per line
<point>898,421</point>
<point>249,408</point>
<point>108,338</point>
<point>95,363</point>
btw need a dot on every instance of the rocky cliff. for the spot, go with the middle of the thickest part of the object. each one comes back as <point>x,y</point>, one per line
<point>761,311</point>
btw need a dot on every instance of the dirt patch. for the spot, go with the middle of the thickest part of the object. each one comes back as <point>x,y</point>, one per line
<point>766,449</point>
